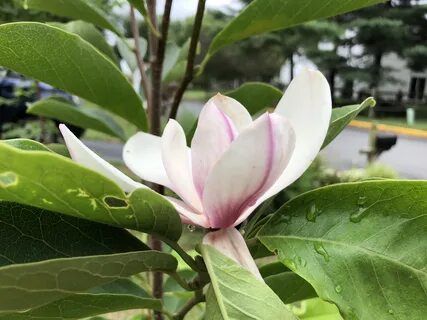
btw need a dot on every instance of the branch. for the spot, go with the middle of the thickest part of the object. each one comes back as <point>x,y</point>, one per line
<point>139,59</point>
<point>189,72</point>
<point>198,297</point>
<point>152,37</point>
<point>157,68</point>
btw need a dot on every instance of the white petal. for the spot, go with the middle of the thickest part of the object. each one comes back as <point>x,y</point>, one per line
<point>176,160</point>
<point>214,134</point>
<point>234,110</point>
<point>252,164</point>
<point>188,215</point>
<point>307,104</point>
<point>86,157</point>
<point>231,244</point>
<point>142,154</point>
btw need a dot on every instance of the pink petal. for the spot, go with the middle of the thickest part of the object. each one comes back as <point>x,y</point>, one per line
<point>214,134</point>
<point>238,114</point>
<point>252,164</point>
<point>176,161</point>
<point>86,157</point>
<point>188,215</point>
<point>142,154</point>
<point>230,243</point>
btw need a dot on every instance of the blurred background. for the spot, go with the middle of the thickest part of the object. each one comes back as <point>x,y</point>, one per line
<point>380,51</point>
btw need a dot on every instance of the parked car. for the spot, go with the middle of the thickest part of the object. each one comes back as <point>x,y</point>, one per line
<point>17,91</point>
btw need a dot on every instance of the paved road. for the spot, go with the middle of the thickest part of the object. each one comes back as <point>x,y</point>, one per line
<point>408,157</point>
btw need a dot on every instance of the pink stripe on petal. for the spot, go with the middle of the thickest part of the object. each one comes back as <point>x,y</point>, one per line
<point>214,134</point>
<point>247,169</point>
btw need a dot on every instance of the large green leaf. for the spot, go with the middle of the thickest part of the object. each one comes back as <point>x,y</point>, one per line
<point>256,96</point>
<point>50,181</point>
<point>79,116</point>
<point>31,285</point>
<point>360,245</point>
<point>341,117</point>
<point>236,294</point>
<point>90,34</point>
<point>76,9</point>
<point>66,61</point>
<point>28,234</point>
<point>264,16</point>
<point>115,296</point>
<point>290,287</point>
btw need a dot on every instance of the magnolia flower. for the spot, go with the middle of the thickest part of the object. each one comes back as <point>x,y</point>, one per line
<point>234,163</point>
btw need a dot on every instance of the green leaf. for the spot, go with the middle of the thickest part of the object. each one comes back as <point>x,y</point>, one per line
<point>256,96</point>
<point>77,9</point>
<point>360,245</point>
<point>125,47</point>
<point>31,285</point>
<point>49,181</point>
<point>263,16</point>
<point>316,309</point>
<point>236,294</point>
<point>26,144</point>
<point>90,34</point>
<point>290,287</point>
<point>79,116</point>
<point>341,117</point>
<point>66,61</point>
<point>29,234</point>
<point>112,297</point>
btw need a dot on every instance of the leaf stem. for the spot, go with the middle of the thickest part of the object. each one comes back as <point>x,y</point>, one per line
<point>198,297</point>
<point>184,255</point>
<point>189,72</point>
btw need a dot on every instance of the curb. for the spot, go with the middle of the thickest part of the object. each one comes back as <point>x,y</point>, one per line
<point>389,128</point>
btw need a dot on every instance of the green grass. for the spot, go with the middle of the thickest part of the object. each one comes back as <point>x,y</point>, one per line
<point>420,124</point>
<point>197,94</point>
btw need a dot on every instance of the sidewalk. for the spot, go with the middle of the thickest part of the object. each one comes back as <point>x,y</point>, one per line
<point>417,133</point>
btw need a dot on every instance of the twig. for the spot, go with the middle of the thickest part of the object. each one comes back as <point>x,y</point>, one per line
<point>157,68</point>
<point>152,37</point>
<point>184,255</point>
<point>198,297</point>
<point>189,72</point>
<point>139,58</point>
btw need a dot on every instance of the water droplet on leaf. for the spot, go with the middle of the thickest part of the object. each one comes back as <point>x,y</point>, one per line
<point>191,228</point>
<point>362,200</point>
<point>311,214</point>
<point>301,261</point>
<point>358,215</point>
<point>290,264</point>
<point>320,249</point>
<point>338,289</point>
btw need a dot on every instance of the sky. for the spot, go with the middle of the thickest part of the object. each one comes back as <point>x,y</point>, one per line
<point>182,9</point>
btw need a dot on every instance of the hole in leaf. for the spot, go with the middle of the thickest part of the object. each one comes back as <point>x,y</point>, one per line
<point>8,179</point>
<point>114,202</point>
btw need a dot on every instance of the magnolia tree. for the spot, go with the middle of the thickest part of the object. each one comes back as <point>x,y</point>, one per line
<point>80,238</point>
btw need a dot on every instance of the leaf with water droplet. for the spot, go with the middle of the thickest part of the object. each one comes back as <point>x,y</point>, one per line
<point>320,249</point>
<point>362,200</point>
<point>357,216</point>
<point>311,214</point>
<point>290,264</point>
<point>301,261</point>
